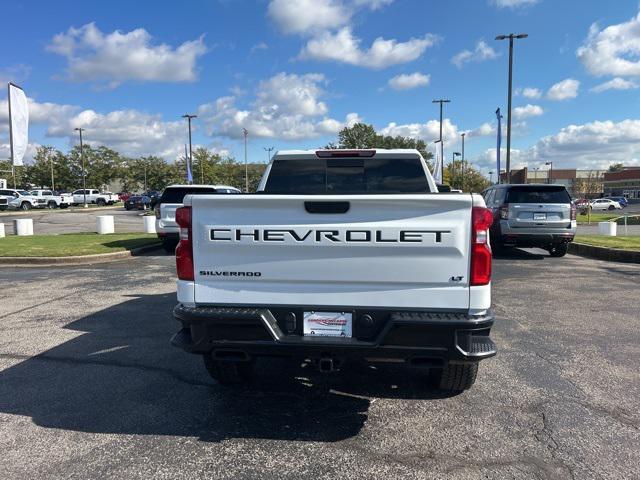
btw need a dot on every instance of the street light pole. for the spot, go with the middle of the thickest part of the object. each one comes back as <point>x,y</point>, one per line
<point>245,132</point>
<point>189,117</point>
<point>550,171</point>
<point>53,185</point>
<point>511,36</point>
<point>268,150</point>
<point>84,177</point>
<point>462,180</point>
<point>453,165</point>
<point>441,101</point>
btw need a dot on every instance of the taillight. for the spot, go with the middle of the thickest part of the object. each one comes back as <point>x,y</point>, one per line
<point>573,211</point>
<point>504,212</point>
<point>158,212</point>
<point>481,219</point>
<point>184,250</point>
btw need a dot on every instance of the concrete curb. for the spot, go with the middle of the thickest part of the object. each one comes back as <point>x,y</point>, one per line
<point>13,213</point>
<point>604,253</point>
<point>77,259</point>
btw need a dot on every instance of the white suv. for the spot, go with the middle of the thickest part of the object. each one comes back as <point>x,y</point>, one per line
<point>171,199</point>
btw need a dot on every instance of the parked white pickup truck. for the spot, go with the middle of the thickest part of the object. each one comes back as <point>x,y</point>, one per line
<point>20,199</point>
<point>51,199</point>
<point>340,255</point>
<point>94,196</point>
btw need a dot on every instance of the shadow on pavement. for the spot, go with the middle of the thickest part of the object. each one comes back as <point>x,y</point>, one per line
<point>517,254</point>
<point>120,375</point>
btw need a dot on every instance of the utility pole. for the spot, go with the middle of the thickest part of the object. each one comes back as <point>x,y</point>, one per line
<point>462,181</point>
<point>189,117</point>
<point>245,132</point>
<point>441,101</point>
<point>84,173</point>
<point>511,36</point>
<point>453,165</point>
<point>268,150</point>
<point>550,171</point>
<point>53,185</point>
<point>144,164</point>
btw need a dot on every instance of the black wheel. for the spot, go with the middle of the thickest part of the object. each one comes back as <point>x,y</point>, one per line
<point>611,207</point>
<point>64,205</point>
<point>169,246</point>
<point>457,377</point>
<point>227,372</point>
<point>100,202</point>
<point>25,206</point>
<point>2,209</point>
<point>559,250</point>
<point>51,205</point>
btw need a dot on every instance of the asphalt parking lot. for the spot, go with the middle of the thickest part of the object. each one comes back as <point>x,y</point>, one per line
<point>74,220</point>
<point>91,388</point>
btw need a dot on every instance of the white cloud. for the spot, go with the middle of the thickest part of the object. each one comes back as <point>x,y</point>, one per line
<point>513,3</point>
<point>39,113</point>
<point>14,73</point>
<point>481,53</point>
<point>303,16</point>
<point>343,47</point>
<point>615,84</point>
<point>372,4</point>
<point>564,90</point>
<point>593,145</point>
<point>428,131</point>
<point>520,113</point>
<point>259,46</point>
<point>529,92</point>
<point>287,106</point>
<point>409,81</point>
<point>613,50</point>
<point>110,59</point>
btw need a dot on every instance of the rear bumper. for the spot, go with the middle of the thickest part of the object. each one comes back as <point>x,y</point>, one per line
<point>420,337</point>
<point>535,237</point>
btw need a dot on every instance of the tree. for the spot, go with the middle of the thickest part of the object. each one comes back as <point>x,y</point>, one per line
<point>361,135</point>
<point>589,186</point>
<point>616,167</point>
<point>469,181</point>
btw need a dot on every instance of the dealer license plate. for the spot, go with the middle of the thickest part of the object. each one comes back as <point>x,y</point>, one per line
<point>328,324</point>
<point>539,216</point>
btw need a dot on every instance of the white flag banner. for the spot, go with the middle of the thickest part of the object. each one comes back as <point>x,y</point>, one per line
<point>19,113</point>
<point>437,174</point>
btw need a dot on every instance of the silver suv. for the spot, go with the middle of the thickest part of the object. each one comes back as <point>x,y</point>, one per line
<point>532,216</point>
<point>171,199</point>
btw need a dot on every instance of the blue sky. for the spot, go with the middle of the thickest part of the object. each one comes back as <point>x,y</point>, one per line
<point>293,72</point>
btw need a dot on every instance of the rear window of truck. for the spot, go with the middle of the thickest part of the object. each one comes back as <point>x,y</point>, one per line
<point>177,194</point>
<point>347,176</point>
<point>538,194</point>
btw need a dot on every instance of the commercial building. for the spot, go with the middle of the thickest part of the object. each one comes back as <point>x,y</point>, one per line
<point>579,183</point>
<point>624,183</point>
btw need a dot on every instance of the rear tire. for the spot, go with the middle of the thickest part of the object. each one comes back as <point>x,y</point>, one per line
<point>559,250</point>
<point>26,206</point>
<point>51,205</point>
<point>456,377</point>
<point>100,202</point>
<point>169,246</point>
<point>227,373</point>
<point>611,207</point>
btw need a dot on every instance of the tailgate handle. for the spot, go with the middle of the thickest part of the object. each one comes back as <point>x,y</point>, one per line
<point>326,207</point>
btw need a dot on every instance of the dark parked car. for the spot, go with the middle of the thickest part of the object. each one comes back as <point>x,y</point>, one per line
<point>621,200</point>
<point>137,202</point>
<point>532,215</point>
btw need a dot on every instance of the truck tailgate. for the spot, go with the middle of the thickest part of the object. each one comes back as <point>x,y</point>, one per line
<point>397,251</point>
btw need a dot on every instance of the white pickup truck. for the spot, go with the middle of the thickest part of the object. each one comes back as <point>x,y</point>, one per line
<point>51,199</point>
<point>94,196</point>
<point>340,255</point>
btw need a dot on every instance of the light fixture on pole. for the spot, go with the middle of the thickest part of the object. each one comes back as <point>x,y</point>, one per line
<point>511,36</point>
<point>84,173</point>
<point>535,174</point>
<point>550,171</point>
<point>268,150</point>
<point>491,177</point>
<point>245,132</point>
<point>441,101</point>
<point>189,117</point>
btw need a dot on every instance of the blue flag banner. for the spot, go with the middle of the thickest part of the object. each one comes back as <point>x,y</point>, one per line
<point>499,143</point>
<point>189,175</point>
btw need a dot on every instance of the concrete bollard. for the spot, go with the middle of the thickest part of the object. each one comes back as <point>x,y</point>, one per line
<point>2,230</point>
<point>104,224</point>
<point>608,228</point>
<point>23,227</point>
<point>149,224</point>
